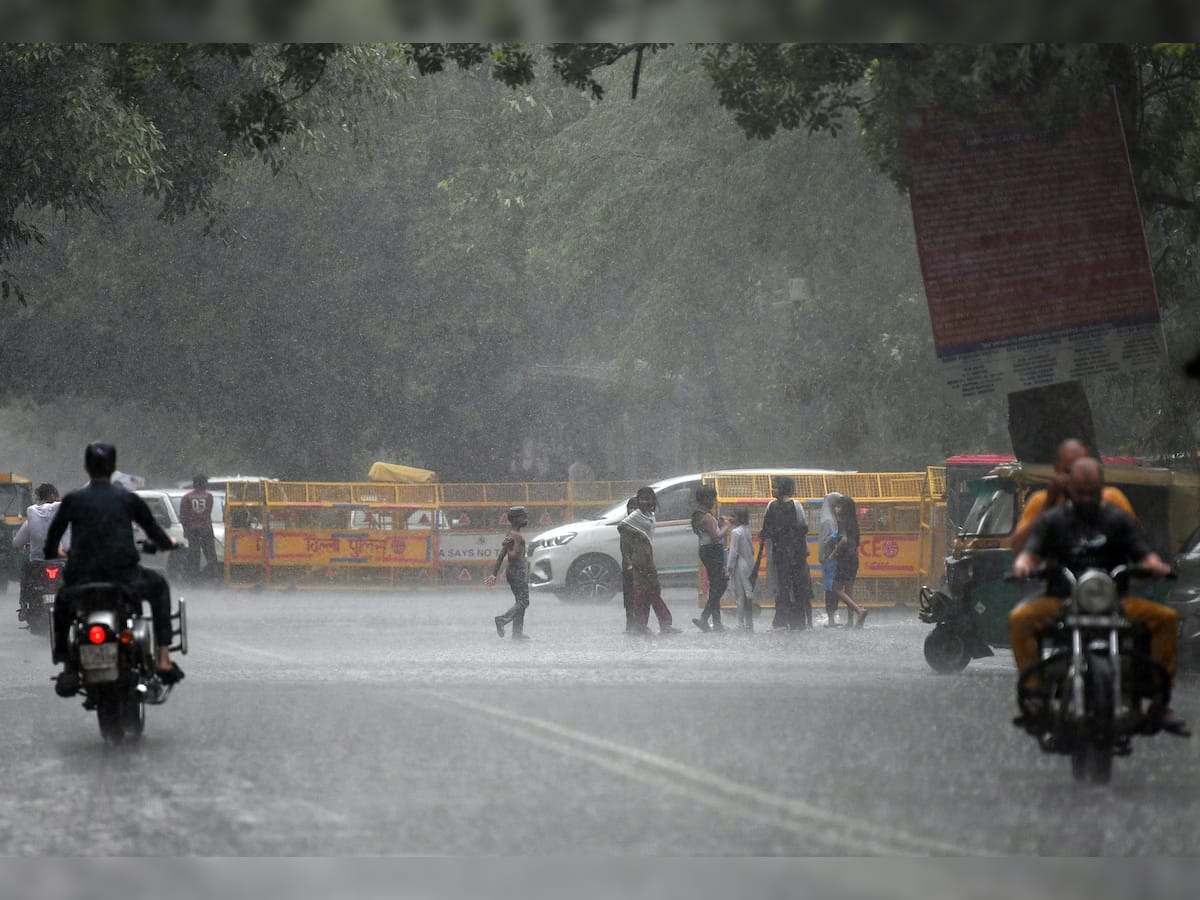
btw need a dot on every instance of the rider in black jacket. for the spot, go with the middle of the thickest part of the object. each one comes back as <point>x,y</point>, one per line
<point>101,517</point>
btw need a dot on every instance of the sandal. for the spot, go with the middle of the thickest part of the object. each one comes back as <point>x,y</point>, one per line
<point>862,617</point>
<point>172,675</point>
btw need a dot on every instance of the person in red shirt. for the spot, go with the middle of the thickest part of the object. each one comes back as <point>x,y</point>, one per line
<point>195,514</point>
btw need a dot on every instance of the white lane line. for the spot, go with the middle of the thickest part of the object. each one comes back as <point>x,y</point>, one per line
<point>232,648</point>
<point>858,836</point>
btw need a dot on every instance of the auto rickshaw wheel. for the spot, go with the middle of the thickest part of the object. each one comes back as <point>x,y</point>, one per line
<point>946,650</point>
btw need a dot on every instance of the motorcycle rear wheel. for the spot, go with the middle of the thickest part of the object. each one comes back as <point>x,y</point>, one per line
<point>120,714</point>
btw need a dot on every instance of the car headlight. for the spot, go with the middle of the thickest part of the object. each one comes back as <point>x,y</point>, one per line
<point>1096,593</point>
<point>556,541</point>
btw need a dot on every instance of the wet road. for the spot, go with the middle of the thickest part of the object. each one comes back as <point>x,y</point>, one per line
<point>400,724</point>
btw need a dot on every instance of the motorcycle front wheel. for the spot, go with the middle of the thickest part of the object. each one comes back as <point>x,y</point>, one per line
<point>1092,761</point>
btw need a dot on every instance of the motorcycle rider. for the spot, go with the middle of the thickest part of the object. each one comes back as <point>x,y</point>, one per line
<point>101,517</point>
<point>37,523</point>
<point>1056,492</point>
<point>1087,533</point>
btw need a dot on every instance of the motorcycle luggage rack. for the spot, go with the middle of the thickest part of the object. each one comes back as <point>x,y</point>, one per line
<point>179,630</point>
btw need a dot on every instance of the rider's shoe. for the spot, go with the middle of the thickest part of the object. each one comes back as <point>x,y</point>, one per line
<point>1172,724</point>
<point>170,676</point>
<point>67,683</point>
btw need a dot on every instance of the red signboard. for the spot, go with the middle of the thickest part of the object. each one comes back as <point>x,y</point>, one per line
<point>1027,239</point>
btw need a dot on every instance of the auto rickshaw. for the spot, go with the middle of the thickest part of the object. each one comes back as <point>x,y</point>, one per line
<point>16,495</point>
<point>970,610</point>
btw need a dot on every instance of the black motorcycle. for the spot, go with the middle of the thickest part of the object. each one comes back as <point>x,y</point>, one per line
<point>40,581</point>
<point>1094,685</point>
<point>111,643</point>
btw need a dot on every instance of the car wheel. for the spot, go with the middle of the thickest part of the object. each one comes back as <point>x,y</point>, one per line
<point>594,578</point>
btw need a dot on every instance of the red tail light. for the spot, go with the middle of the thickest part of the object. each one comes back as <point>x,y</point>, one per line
<point>97,634</point>
<point>52,572</point>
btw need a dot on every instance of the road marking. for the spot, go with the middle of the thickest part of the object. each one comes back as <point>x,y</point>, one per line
<point>795,816</point>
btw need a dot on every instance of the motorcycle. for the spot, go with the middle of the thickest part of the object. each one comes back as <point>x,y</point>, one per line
<point>40,581</point>
<point>111,643</point>
<point>1094,684</point>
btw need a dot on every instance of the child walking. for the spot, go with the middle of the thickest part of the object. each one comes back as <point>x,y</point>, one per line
<point>740,565</point>
<point>513,549</point>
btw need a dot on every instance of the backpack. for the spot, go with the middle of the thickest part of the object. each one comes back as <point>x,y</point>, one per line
<point>698,515</point>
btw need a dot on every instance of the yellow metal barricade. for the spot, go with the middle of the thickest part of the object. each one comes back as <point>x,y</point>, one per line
<point>895,510</point>
<point>383,534</point>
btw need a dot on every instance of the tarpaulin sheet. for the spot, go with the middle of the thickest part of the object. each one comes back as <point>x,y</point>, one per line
<point>398,474</point>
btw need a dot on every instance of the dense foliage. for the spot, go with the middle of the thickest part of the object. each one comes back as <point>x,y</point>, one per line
<point>493,273</point>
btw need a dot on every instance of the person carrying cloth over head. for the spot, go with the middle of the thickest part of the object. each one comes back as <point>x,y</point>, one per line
<point>636,533</point>
<point>512,548</point>
<point>1087,533</point>
<point>786,528</point>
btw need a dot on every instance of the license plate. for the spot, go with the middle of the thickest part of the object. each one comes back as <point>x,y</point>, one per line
<point>47,599</point>
<point>98,656</point>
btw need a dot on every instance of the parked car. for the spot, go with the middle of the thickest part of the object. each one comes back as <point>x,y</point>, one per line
<point>582,560</point>
<point>168,519</point>
<point>218,516</point>
<point>1184,596</point>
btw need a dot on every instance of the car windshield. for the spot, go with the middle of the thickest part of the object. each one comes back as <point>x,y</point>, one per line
<point>993,512</point>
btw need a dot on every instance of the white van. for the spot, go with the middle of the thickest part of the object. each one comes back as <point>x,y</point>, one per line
<point>582,560</point>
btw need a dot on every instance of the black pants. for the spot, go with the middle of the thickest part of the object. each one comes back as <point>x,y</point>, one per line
<point>713,557</point>
<point>793,592</point>
<point>147,584</point>
<point>197,541</point>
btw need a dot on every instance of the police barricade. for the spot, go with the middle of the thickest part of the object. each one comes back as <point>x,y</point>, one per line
<point>477,517</point>
<point>895,552</point>
<point>382,534</point>
<point>345,535</point>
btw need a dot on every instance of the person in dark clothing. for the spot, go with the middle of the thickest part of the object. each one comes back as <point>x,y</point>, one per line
<point>513,550</point>
<point>712,554</point>
<point>636,533</point>
<point>195,515</point>
<point>627,575</point>
<point>845,555</point>
<point>101,517</point>
<point>785,526</point>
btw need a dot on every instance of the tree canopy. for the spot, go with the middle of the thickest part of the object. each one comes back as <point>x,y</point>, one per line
<point>492,273</point>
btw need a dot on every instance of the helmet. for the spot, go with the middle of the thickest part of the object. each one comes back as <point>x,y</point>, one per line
<point>100,460</point>
<point>517,512</point>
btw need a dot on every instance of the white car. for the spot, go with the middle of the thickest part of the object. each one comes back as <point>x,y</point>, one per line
<point>582,560</point>
<point>218,516</point>
<point>168,519</point>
